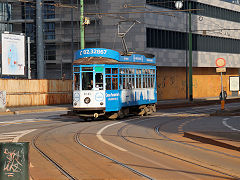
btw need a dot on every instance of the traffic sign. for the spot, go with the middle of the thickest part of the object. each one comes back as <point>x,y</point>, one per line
<point>220,62</point>
<point>221,69</point>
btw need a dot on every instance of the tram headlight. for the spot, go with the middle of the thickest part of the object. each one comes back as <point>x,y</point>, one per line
<point>87,100</point>
<point>75,104</point>
<point>101,103</point>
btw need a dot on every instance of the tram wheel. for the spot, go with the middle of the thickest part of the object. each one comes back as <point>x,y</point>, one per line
<point>148,110</point>
<point>154,108</point>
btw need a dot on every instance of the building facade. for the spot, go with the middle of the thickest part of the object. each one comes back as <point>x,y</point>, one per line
<point>152,26</point>
<point>164,32</point>
<point>60,31</point>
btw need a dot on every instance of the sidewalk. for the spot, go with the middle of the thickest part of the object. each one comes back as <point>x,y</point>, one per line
<point>35,109</point>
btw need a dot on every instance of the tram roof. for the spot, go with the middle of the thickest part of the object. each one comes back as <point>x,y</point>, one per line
<point>101,60</point>
<point>108,56</point>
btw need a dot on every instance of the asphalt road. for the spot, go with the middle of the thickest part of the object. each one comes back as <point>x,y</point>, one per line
<point>149,147</point>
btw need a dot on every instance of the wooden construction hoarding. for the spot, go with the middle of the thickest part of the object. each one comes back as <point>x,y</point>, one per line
<point>36,92</point>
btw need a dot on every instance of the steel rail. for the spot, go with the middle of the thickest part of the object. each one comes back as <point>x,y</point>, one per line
<point>109,158</point>
<point>168,154</point>
<point>58,166</point>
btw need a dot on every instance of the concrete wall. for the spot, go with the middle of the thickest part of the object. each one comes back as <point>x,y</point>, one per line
<point>171,82</point>
<point>36,92</point>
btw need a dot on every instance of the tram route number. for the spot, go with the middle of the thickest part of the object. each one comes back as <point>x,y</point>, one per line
<point>93,51</point>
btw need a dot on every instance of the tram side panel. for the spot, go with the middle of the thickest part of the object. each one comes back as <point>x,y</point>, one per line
<point>135,97</point>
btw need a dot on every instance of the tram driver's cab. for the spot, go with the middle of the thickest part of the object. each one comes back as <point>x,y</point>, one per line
<point>88,92</point>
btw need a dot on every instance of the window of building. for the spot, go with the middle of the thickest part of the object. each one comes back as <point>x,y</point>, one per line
<point>30,30</point>
<point>49,31</point>
<point>50,52</point>
<point>208,10</point>
<point>49,10</point>
<point>178,40</point>
<point>29,10</point>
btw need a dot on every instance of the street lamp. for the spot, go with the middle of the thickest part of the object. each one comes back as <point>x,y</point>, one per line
<point>179,5</point>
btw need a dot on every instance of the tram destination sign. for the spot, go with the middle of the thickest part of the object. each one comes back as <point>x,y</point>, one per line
<point>108,53</point>
<point>97,52</point>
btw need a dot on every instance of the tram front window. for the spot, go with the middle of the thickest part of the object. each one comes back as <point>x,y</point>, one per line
<point>99,81</point>
<point>76,81</point>
<point>87,80</point>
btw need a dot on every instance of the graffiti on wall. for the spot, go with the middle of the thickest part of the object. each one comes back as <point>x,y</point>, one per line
<point>13,162</point>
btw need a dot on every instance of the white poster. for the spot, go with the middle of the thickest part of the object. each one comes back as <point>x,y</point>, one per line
<point>13,54</point>
<point>234,83</point>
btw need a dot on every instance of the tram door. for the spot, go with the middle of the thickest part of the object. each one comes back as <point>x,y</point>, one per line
<point>112,89</point>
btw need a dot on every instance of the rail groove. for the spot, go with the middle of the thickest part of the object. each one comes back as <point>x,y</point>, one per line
<point>58,166</point>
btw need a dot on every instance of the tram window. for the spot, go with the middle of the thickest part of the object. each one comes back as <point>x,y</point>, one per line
<point>108,70</point>
<point>99,81</point>
<point>149,78</point>
<point>114,71</point>
<point>114,83</point>
<point>87,80</point>
<point>138,78</point>
<point>76,69</point>
<point>112,78</point>
<point>76,81</point>
<point>87,68</point>
<point>121,82</point>
<point>108,83</point>
<point>152,81</point>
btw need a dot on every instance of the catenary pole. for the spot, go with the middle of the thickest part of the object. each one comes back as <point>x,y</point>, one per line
<point>29,59</point>
<point>40,46</point>
<point>190,52</point>
<point>82,25</point>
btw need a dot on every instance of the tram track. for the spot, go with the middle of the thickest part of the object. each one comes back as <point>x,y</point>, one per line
<point>77,140</point>
<point>76,135</point>
<point>156,129</point>
<point>47,157</point>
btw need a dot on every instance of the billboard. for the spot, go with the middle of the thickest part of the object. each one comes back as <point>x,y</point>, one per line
<point>13,54</point>
<point>234,83</point>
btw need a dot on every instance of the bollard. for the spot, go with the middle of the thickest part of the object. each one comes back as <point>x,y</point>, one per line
<point>14,161</point>
<point>222,104</point>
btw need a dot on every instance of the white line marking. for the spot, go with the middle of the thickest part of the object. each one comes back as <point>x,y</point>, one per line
<point>22,120</point>
<point>99,136</point>
<point>230,127</point>
<point>23,134</point>
<point>14,136</point>
<point>139,156</point>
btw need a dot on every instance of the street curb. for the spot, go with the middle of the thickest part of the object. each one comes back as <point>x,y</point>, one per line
<point>194,103</point>
<point>210,141</point>
<point>34,111</point>
<point>186,104</point>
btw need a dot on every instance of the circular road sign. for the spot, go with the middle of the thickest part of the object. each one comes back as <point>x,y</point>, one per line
<point>220,62</point>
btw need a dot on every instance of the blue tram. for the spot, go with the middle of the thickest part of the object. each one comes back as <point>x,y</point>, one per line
<point>108,83</point>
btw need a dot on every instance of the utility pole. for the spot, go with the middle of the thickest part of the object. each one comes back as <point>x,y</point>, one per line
<point>82,34</point>
<point>190,51</point>
<point>29,58</point>
<point>72,30</point>
<point>40,46</point>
